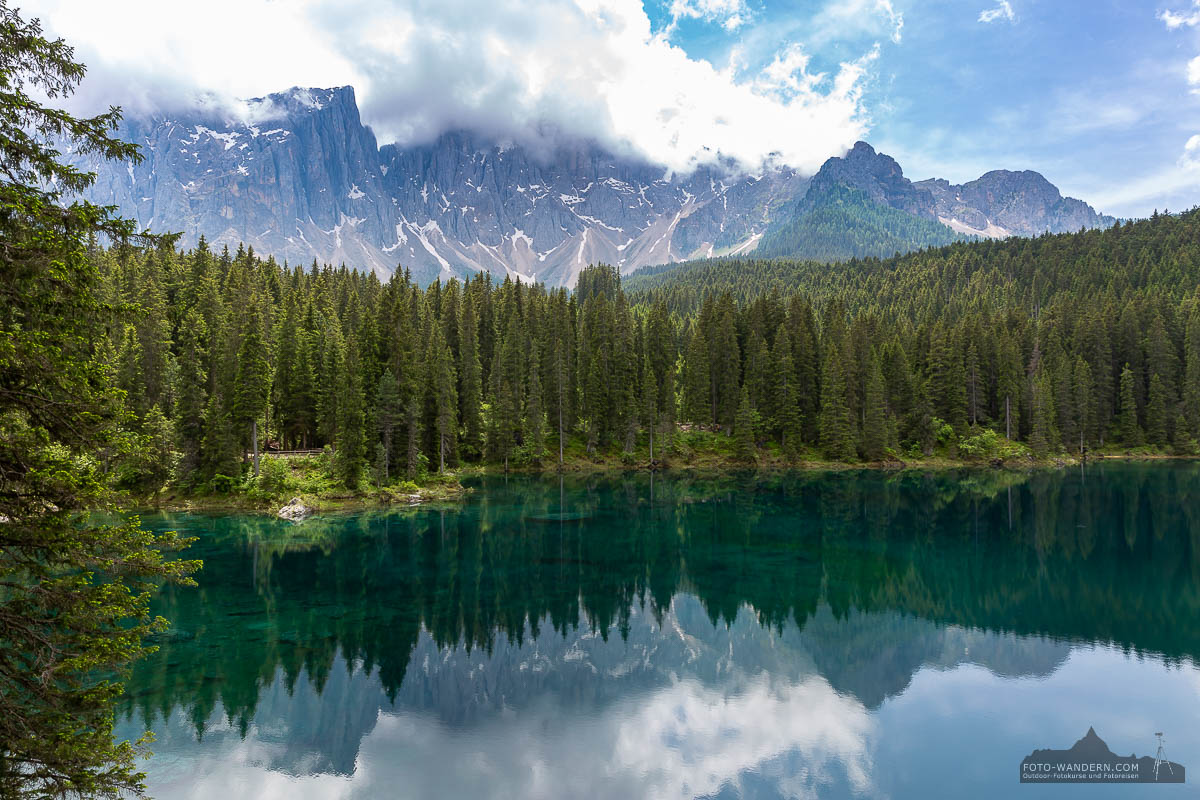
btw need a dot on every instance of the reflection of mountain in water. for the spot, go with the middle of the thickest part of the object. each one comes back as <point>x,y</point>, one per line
<point>852,581</point>
<point>301,729</point>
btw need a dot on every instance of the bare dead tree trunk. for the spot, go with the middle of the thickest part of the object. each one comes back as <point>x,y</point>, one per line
<point>254,435</point>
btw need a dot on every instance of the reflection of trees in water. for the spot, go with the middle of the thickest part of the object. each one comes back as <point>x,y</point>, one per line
<point>1107,555</point>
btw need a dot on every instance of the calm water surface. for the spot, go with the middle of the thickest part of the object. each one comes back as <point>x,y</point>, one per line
<point>804,635</point>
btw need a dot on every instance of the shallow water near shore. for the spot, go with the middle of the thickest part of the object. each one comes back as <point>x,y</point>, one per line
<point>849,634</point>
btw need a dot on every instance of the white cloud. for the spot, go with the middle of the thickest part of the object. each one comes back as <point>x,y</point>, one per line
<point>1176,19</point>
<point>1159,185</point>
<point>730,14</point>
<point>842,18</point>
<point>1004,11</point>
<point>523,70</point>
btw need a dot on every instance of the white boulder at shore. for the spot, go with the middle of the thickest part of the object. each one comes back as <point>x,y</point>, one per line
<point>295,511</point>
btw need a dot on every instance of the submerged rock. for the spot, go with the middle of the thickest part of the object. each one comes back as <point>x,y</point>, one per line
<point>295,511</point>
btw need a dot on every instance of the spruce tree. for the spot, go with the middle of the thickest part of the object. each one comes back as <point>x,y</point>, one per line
<point>837,433</point>
<point>191,395</point>
<point>445,397</point>
<point>875,430</point>
<point>252,385</point>
<point>535,414</point>
<point>1085,405</point>
<point>697,391</point>
<point>388,415</point>
<point>744,434</point>
<point>1131,430</point>
<point>351,451</point>
<point>470,380</point>
<point>1041,434</point>
<point>74,608</point>
<point>1157,407</point>
<point>1191,371</point>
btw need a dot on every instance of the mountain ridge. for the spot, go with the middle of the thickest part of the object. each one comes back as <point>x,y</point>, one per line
<point>299,176</point>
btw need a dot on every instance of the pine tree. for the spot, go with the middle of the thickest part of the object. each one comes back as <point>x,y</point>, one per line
<point>1085,404</point>
<point>219,452</point>
<point>837,436</point>
<point>470,380</point>
<point>252,384</point>
<point>744,433</point>
<point>1010,382</point>
<point>330,370</point>
<point>1131,431</point>
<point>388,415</point>
<point>696,380</point>
<point>74,610</point>
<point>757,372</point>
<point>726,365</point>
<point>192,391</point>
<point>1041,434</point>
<point>947,379</point>
<point>661,359</point>
<point>784,405</point>
<point>535,414</point>
<point>875,431</point>
<point>976,392</point>
<point>1191,377</point>
<point>505,418</point>
<point>1157,405</point>
<point>445,396</point>
<point>351,451</point>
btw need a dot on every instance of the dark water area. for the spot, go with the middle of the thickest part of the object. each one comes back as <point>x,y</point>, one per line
<point>855,634</point>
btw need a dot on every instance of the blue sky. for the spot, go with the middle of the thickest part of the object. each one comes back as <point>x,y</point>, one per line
<point>1094,94</point>
<point>1103,97</point>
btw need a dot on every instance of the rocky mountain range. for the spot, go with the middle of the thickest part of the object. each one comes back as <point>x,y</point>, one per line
<point>298,175</point>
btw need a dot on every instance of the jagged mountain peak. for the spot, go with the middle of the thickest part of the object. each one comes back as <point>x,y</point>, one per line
<point>296,174</point>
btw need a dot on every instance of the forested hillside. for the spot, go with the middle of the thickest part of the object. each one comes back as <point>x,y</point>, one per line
<point>844,223</point>
<point>1063,342</point>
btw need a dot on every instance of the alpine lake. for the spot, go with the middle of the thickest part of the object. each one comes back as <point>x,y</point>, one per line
<point>630,635</point>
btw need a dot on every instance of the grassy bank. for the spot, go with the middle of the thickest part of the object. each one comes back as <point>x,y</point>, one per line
<point>310,478</point>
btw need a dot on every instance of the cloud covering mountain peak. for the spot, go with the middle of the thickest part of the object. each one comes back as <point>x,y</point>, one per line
<point>512,70</point>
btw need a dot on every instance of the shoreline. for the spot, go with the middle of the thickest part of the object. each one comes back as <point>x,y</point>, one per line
<point>450,494</point>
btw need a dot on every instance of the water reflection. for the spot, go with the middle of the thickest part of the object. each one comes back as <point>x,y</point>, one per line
<point>734,636</point>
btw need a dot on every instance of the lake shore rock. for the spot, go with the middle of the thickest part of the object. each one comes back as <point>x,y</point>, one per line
<point>295,511</point>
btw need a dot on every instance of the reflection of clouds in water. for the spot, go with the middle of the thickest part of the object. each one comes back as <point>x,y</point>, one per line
<point>231,767</point>
<point>678,742</point>
<point>678,710</point>
<point>681,741</point>
<point>690,740</point>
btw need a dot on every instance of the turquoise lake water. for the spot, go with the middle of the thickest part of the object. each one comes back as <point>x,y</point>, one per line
<point>855,634</point>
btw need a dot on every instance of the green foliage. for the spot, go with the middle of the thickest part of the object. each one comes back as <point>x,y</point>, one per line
<point>221,484</point>
<point>845,223</point>
<point>74,609</point>
<point>745,427</point>
<point>274,477</point>
<point>988,445</point>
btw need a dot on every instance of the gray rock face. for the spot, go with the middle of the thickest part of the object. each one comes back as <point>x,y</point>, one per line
<point>298,176</point>
<point>876,175</point>
<point>1003,203</point>
<point>998,204</point>
<point>301,178</point>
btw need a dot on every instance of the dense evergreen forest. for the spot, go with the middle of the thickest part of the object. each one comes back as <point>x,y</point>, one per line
<point>845,223</point>
<point>1061,343</point>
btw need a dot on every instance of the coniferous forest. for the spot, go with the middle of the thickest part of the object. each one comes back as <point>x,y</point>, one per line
<point>136,372</point>
<point>1062,344</point>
